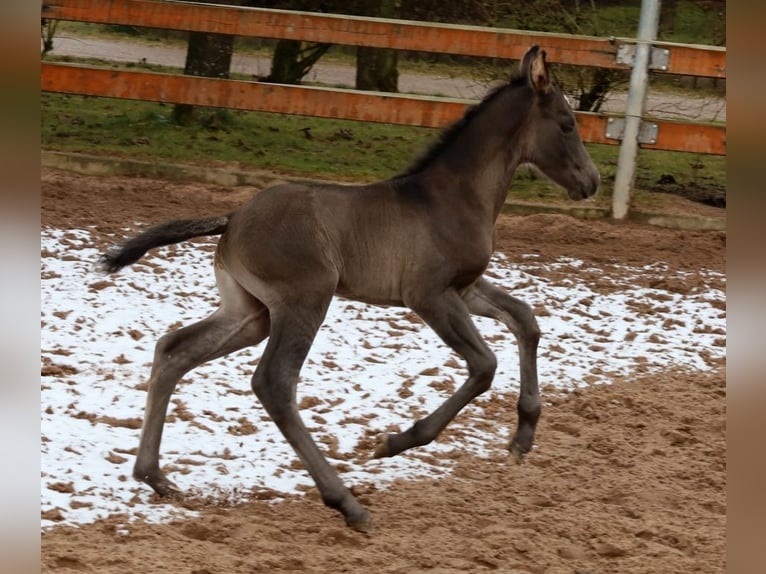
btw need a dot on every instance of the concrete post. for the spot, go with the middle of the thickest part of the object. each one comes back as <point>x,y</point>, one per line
<point>639,84</point>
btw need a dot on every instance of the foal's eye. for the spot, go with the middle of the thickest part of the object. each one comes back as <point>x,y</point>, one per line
<point>568,127</point>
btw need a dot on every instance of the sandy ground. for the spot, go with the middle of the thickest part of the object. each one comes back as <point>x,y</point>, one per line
<point>627,477</point>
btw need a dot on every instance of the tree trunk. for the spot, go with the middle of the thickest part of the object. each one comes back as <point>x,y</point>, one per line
<point>595,86</point>
<point>376,68</point>
<point>294,59</point>
<point>207,55</point>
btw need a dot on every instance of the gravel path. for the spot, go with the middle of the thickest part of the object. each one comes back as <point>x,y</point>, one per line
<point>658,104</point>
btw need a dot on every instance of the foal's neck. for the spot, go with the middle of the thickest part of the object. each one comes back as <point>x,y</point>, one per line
<point>477,165</point>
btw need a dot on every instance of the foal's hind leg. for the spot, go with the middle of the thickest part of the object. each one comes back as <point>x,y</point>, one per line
<point>490,301</point>
<point>293,328</point>
<point>240,321</point>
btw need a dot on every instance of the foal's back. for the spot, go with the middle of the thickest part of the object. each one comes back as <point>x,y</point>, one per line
<point>375,243</point>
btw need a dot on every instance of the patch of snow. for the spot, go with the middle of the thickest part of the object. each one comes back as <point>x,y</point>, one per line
<point>98,335</point>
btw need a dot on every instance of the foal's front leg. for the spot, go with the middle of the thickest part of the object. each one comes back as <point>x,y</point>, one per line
<point>449,317</point>
<point>487,300</point>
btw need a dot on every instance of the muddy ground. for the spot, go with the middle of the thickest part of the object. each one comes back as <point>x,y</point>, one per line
<point>627,478</point>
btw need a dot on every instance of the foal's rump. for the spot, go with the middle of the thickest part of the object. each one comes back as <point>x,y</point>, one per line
<point>279,236</point>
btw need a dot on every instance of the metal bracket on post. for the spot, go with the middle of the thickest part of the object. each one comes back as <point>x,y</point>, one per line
<point>659,58</point>
<point>647,131</point>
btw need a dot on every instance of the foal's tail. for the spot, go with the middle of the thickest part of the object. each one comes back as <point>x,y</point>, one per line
<point>159,235</point>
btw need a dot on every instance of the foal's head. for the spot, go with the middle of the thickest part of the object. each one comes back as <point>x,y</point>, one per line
<point>551,141</point>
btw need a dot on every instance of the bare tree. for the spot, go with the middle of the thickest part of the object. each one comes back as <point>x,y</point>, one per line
<point>377,68</point>
<point>48,31</point>
<point>293,59</point>
<point>590,86</point>
<point>207,55</point>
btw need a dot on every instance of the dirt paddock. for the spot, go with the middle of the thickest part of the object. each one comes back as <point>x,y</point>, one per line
<point>626,478</point>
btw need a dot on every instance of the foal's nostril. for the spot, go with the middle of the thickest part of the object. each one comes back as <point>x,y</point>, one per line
<point>594,183</point>
<point>589,186</point>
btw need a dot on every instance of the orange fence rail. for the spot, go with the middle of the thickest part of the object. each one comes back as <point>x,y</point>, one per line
<point>693,60</point>
<point>352,104</point>
<point>329,103</point>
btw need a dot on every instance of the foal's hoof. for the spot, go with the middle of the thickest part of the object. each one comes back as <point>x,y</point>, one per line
<point>161,485</point>
<point>517,452</point>
<point>362,524</point>
<point>168,490</point>
<point>381,446</point>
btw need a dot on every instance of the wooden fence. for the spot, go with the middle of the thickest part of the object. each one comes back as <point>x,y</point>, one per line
<point>615,53</point>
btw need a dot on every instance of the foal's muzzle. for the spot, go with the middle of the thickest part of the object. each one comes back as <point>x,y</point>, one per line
<point>587,186</point>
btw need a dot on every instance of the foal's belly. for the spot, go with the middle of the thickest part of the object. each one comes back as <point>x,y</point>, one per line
<point>402,288</point>
<point>374,294</point>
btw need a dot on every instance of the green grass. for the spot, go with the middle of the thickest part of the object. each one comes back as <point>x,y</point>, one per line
<point>248,140</point>
<point>694,23</point>
<point>699,23</point>
<point>337,150</point>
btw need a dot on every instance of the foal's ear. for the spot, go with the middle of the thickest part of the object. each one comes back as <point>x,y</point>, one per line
<point>535,68</point>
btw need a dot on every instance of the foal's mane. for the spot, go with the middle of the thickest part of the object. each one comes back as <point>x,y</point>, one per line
<point>453,131</point>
